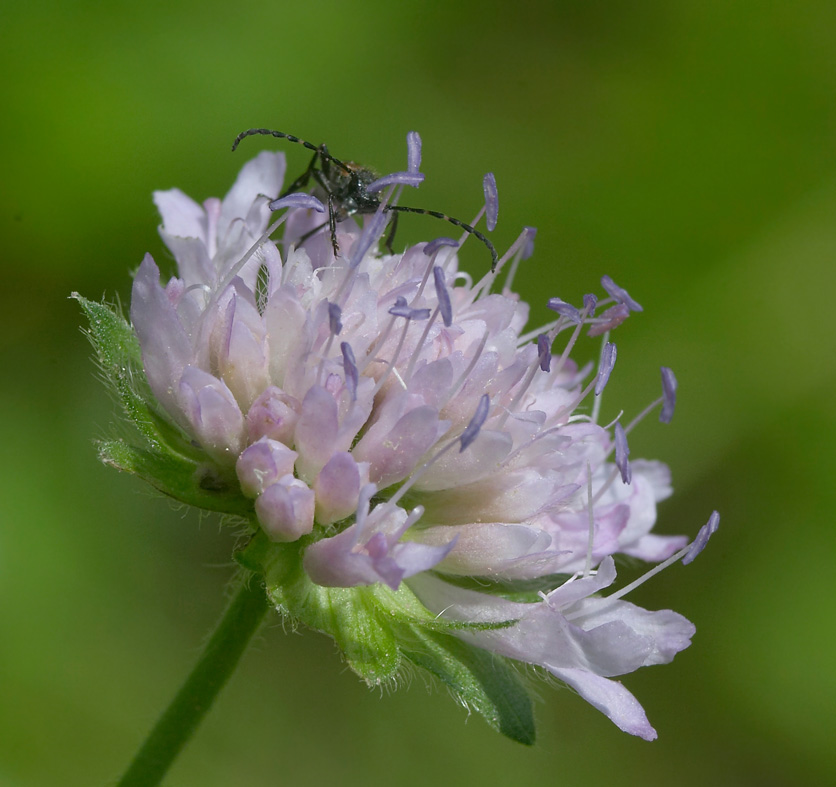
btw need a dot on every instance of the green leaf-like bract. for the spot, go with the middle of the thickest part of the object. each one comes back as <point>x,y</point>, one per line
<point>378,628</point>
<point>157,451</point>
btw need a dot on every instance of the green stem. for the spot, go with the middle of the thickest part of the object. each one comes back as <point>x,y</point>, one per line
<point>220,657</point>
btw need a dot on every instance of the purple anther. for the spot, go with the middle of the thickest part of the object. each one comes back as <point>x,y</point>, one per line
<point>413,179</point>
<point>335,314</point>
<point>609,319</point>
<point>607,362</point>
<point>668,395</point>
<point>620,294</point>
<point>564,309</point>
<point>698,544</point>
<point>589,304</point>
<point>472,429</point>
<point>350,368</point>
<point>298,200</point>
<point>402,309</point>
<point>622,454</point>
<point>413,151</point>
<point>491,200</point>
<point>444,304</point>
<point>434,245</point>
<point>544,350</point>
<point>528,249</point>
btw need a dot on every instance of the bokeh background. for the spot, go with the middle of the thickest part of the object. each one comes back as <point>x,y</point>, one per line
<point>684,148</point>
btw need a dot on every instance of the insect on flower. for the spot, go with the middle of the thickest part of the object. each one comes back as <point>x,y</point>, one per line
<point>352,189</point>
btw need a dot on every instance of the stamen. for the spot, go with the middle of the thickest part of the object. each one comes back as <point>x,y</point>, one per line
<point>402,309</point>
<point>334,318</point>
<point>564,309</point>
<point>608,357</point>
<point>668,395</point>
<point>413,151</point>
<point>466,373</point>
<point>444,304</point>
<point>472,429</point>
<point>298,199</point>
<point>413,179</point>
<point>619,294</point>
<point>491,201</point>
<point>434,245</point>
<point>350,368</point>
<point>706,531</point>
<point>611,318</point>
<point>622,454</point>
<point>544,352</point>
<point>692,550</point>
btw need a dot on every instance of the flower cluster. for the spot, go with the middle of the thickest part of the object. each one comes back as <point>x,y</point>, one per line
<point>424,479</point>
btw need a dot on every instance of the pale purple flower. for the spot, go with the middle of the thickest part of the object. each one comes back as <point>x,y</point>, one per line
<point>432,434</point>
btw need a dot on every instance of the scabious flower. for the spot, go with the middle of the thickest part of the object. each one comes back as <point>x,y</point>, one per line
<point>421,477</point>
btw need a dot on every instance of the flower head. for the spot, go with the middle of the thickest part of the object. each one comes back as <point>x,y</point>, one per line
<point>413,465</point>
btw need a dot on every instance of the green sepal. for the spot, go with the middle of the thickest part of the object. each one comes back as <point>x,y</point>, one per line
<point>482,680</point>
<point>378,629</point>
<point>196,484</point>
<point>157,450</point>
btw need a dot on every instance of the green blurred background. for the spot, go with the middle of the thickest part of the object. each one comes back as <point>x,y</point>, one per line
<point>684,148</point>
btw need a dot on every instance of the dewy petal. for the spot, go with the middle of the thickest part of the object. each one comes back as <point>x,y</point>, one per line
<point>337,488</point>
<point>166,348</point>
<point>263,464</point>
<point>286,509</point>
<point>212,412</point>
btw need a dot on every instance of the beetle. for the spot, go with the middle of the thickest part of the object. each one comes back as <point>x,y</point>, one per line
<point>346,186</point>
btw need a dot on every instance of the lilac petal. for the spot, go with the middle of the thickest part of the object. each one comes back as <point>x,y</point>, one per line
<point>393,452</point>
<point>286,510</point>
<point>350,369</point>
<point>611,318</point>
<point>491,200</point>
<point>273,414</point>
<point>166,348</point>
<point>413,179</point>
<point>706,531</point>
<point>298,200</point>
<point>564,309</point>
<point>182,216</point>
<point>213,414</point>
<point>434,245</point>
<point>530,235</point>
<point>605,368</point>
<point>444,304</point>
<point>263,464</point>
<point>479,417</point>
<point>544,352</point>
<point>622,454</point>
<point>620,294</point>
<point>413,151</point>
<point>335,318</point>
<point>316,431</point>
<point>611,698</point>
<point>401,309</point>
<point>337,488</point>
<point>668,395</point>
